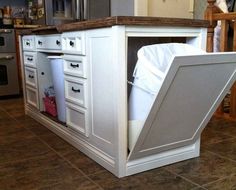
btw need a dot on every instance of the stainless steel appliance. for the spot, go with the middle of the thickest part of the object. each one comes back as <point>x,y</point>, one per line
<point>9,84</point>
<point>54,12</point>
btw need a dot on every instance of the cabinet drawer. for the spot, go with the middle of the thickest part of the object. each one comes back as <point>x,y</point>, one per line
<point>49,42</point>
<point>73,43</point>
<point>76,91</point>
<point>30,59</point>
<point>77,119</point>
<point>75,65</point>
<point>28,42</point>
<point>32,97</point>
<point>31,77</point>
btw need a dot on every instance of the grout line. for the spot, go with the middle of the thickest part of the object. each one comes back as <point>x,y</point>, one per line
<point>220,155</point>
<point>53,150</point>
<point>186,179</point>
<point>60,155</point>
<point>216,180</point>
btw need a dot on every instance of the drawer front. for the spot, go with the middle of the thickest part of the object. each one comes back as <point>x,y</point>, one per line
<point>77,119</point>
<point>28,43</point>
<point>51,42</point>
<point>32,97</point>
<point>76,91</point>
<point>73,43</point>
<point>31,77</point>
<point>30,59</point>
<point>75,66</point>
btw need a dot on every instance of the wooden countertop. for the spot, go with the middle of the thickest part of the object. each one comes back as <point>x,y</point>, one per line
<point>120,20</point>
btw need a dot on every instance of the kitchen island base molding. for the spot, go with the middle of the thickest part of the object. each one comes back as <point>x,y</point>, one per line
<point>132,167</point>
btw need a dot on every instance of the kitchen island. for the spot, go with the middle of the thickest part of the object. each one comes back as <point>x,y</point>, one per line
<point>99,57</point>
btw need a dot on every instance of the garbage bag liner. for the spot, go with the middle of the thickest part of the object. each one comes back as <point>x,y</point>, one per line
<point>151,68</point>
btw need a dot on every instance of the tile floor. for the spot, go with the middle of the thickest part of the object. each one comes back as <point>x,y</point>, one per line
<point>32,157</point>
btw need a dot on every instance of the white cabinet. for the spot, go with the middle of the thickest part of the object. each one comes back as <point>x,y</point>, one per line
<point>76,91</point>
<point>75,65</point>
<point>98,63</point>
<point>32,96</point>
<point>30,59</point>
<point>37,69</point>
<point>30,71</point>
<point>73,43</point>
<point>28,43</point>
<point>77,118</point>
<point>31,78</point>
<point>76,82</point>
<point>49,42</point>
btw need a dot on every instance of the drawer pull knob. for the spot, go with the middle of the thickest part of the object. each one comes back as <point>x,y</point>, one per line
<point>27,43</point>
<point>58,42</point>
<point>31,76</point>
<point>30,59</point>
<point>40,43</point>
<point>74,65</point>
<point>72,43</point>
<point>75,90</point>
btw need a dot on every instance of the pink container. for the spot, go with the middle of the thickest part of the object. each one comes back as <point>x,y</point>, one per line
<point>50,105</point>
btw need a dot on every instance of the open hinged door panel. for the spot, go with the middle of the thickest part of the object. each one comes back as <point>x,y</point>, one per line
<point>192,90</point>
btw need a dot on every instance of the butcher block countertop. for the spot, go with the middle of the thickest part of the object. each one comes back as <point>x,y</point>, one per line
<point>118,20</point>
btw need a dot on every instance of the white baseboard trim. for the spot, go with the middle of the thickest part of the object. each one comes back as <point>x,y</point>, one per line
<point>164,158</point>
<point>84,146</point>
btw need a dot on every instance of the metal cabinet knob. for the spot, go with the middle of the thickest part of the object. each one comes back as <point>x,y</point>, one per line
<point>40,43</point>
<point>72,43</point>
<point>58,42</point>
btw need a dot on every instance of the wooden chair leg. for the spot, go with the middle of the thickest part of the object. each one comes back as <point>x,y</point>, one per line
<point>233,101</point>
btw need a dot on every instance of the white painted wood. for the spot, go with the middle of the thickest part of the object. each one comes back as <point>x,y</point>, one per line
<point>199,40</point>
<point>49,43</point>
<point>31,77</point>
<point>77,119</point>
<point>30,59</point>
<point>75,139</point>
<point>44,76</point>
<point>75,65</point>
<point>120,50</point>
<point>98,126</point>
<point>73,42</point>
<point>101,88</point>
<point>32,97</point>
<point>163,158</point>
<point>28,43</point>
<point>76,91</point>
<point>191,92</point>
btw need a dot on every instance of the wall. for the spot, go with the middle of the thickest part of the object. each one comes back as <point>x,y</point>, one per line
<point>199,8</point>
<point>171,8</point>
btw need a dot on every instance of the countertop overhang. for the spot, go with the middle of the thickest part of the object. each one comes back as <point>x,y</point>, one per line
<point>118,20</point>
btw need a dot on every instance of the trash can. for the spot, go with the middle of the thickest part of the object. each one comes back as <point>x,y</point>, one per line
<point>56,64</point>
<point>150,71</point>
